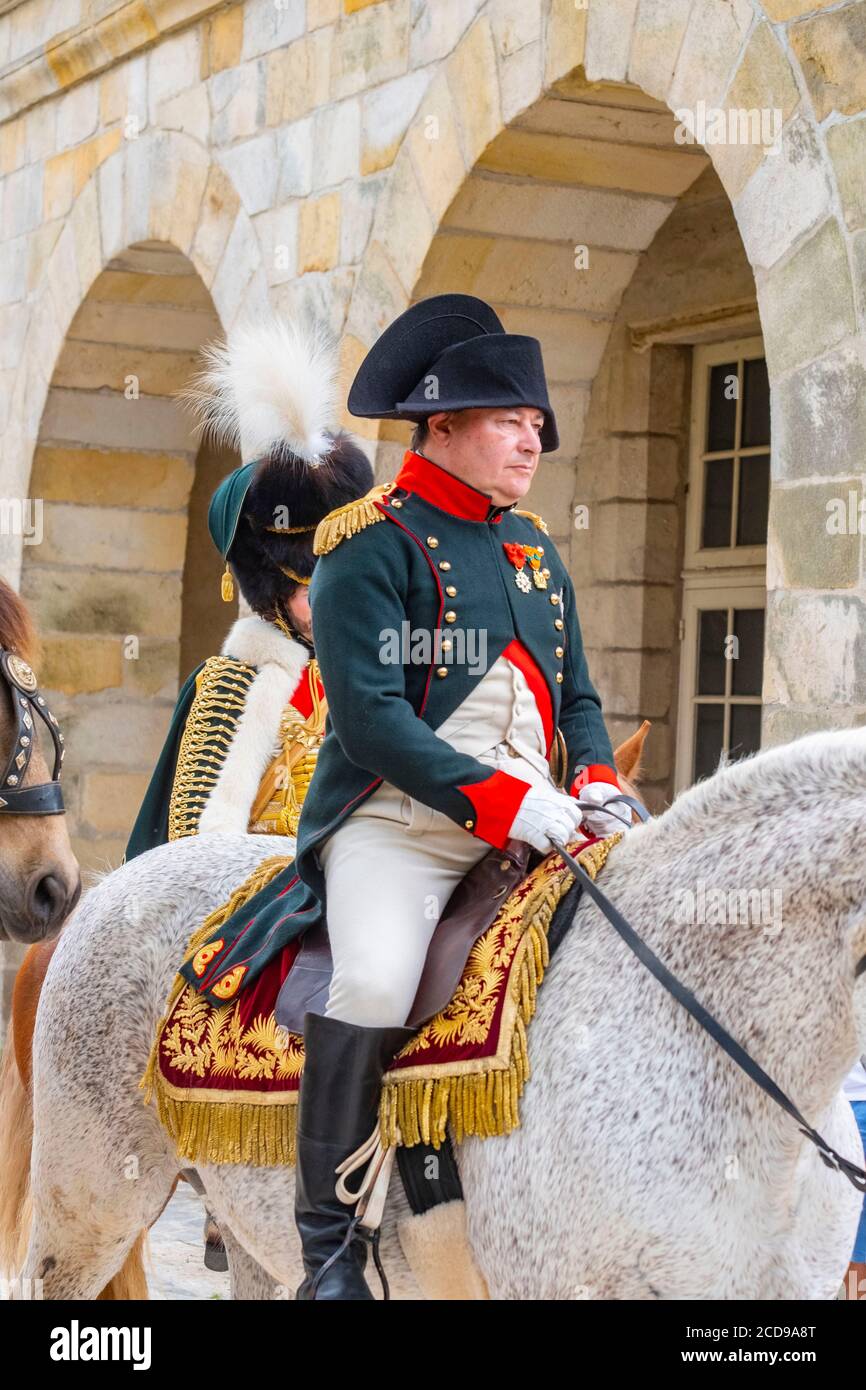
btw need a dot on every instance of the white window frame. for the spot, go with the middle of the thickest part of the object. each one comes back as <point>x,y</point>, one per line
<point>712,578</point>
<point>706,356</point>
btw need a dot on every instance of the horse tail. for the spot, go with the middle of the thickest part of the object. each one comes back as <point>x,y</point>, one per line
<point>130,1281</point>
<point>16,1138</point>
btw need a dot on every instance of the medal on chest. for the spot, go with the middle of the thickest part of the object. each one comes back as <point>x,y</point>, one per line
<point>518,555</point>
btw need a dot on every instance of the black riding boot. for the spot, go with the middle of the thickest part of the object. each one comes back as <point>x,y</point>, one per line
<point>338,1106</point>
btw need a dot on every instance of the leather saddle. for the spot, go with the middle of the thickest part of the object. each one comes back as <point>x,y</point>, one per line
<point>470,910</point>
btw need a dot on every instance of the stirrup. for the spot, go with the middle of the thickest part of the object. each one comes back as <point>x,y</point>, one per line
<point>369,1198</point>
<point>355,1229</point>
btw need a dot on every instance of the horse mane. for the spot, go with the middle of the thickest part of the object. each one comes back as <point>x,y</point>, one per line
<point>17,632</point>
<point>792,777</point>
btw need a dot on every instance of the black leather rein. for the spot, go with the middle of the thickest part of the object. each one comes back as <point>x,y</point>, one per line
<point>711,1025</point>
<point>45,798</point>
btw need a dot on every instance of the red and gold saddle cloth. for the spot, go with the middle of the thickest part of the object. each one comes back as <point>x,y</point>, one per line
<point>226,1078</point>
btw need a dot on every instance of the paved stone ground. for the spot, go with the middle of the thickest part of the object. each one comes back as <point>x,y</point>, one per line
<point>176,1266</point>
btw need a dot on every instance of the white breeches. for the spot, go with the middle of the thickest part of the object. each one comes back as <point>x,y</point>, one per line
<point>393,864</point>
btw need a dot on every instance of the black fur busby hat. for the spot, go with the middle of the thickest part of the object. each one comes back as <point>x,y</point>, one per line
<point>451,352</point>
<point>271,391</point>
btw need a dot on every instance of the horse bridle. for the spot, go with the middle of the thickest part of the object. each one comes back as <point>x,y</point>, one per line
<point>45,798</point>
<point>684,996</point>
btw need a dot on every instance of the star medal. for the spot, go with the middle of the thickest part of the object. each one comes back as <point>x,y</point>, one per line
<point>533,555</point>
<point>517,557</point>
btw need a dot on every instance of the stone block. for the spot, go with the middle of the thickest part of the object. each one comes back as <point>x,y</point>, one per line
<point>219,207</point>
<point>173,66</point>
<point>403,225</point>
<point>277,232</point>
<point>298,78</point>
<point>268,26</point>
<point>847,146</point>
<point>561,159</point>
<point>787,194</point>
<point>225,39</point>
<point>236,97</point>
<point>474,81</point>
<point>437,29</point>
<point>819,417</point>
<point>319,233</point>
<point>254,171</point>
<point>360,200</point>
<point>710,47</point>
<point>805,549</point>
<point>79,601</point>
<point>336,144</point>
<point>435,147</point>
<point>566,39</point>
<point>830,50</point>
<point>112,539</point>
<point>816,654</point>
<point>370,47</point>
<point>152,672</point>
<point>386,114</point>
<point>110,800</point>
<point>78,665</point>
<point>295,155</point>
<point>807,303</point>
<point>764,81</point>
<point>655,44</point>
<point>97,478</point>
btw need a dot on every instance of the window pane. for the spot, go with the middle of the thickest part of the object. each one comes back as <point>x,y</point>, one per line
<point>718,493</point>
<point>711,652</point>
<point>745,730</point>
<point>709,727</point>
<point>749,666</point>
<point>753,501</point>
<point>756,404</point>
<point>722,411</point>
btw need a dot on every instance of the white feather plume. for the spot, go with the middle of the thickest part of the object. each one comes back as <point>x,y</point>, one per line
<point>271,382</point>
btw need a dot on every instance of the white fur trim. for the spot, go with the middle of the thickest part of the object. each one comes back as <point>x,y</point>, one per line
<point>281,663</point>
<point>439,1255</point>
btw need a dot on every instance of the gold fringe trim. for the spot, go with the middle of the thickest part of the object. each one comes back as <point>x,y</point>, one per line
<point>485,1103</point>
<point>258,879</point>
<point>349,519</point>
<point>263,1136</point>
<point>540,523</point>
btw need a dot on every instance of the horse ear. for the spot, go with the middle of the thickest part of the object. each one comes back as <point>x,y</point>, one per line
<point>628,756</point>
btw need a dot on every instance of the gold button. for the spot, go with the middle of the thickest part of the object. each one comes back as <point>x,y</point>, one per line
<point>450,616</point>
<point>450,590</point>
<point>505,865</point>
<point>442,670</point>
<point>445,564</point>
<point>469,824</point>
<point>546,573</point>
<point>554,599</point>
<point>559,678</point>
<point>396,502</point>
<point>559,651</point>
<point>557,623</point>
<point>432,542</point>
<point>446,645</point>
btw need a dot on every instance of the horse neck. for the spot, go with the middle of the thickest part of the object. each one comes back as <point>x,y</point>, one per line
<point>785,998</point>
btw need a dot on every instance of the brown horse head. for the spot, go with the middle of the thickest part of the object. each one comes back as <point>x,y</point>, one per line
<point>627,758</point>
<point>40,881</point>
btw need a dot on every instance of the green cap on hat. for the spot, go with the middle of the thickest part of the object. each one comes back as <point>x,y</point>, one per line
<point>224,514</point>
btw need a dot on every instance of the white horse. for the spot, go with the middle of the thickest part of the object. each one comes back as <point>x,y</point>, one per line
<point>647,1165</point>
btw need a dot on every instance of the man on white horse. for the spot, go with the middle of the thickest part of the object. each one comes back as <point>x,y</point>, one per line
<point>436,749</point>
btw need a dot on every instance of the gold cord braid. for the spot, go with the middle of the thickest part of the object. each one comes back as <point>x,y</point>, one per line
<point>221,691</point>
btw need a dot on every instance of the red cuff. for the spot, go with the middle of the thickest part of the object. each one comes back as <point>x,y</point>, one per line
<point>495,802</point>
<point>596,772</point>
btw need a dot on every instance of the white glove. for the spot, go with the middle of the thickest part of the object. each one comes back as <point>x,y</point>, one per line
<point>545,812</point>
<point>602,822</point>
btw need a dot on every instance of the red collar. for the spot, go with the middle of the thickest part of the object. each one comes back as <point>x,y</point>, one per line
<point>445,491</point>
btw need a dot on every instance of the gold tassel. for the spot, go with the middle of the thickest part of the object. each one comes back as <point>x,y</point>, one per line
<point>349,519</point>
<point>227,584</point>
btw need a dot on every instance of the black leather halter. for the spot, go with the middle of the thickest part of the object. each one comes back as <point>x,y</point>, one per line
<point>46,798</point>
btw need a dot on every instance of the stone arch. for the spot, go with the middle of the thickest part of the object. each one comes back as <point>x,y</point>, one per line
<point>793,213</point>
<point>160,187</point>
<point>156,257</point>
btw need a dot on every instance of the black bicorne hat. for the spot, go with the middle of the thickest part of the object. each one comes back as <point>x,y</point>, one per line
<point>451,352</point>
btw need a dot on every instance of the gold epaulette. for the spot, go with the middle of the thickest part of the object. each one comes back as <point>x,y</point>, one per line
<point>348,520</point>
<point>533,516</point>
